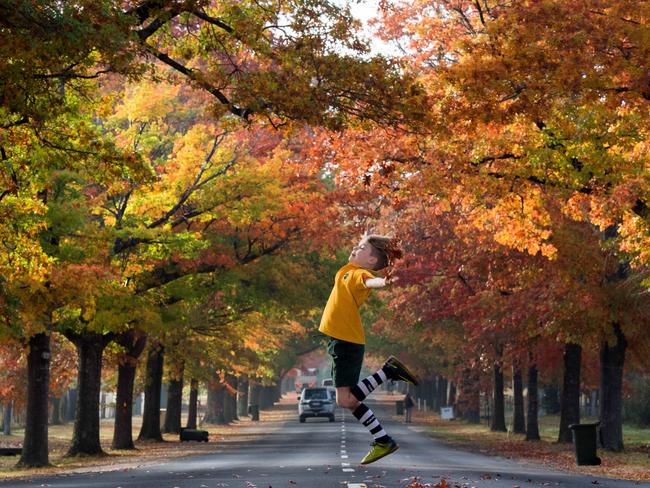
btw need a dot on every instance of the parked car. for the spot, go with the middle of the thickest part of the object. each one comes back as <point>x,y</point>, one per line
<point>328,382</point>
<point>332,391</point>
<point>317,402</point>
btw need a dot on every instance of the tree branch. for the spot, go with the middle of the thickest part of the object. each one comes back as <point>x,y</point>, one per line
<point>214,21</point>
<point>197,78</point>
<point>71,75</point>
<point>172,271</point>
<point>20,121</point>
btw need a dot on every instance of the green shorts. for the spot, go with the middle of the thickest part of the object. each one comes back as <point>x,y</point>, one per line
<point>347,358</point>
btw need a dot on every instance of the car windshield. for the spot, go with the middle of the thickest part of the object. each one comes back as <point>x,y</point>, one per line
<point>315,395</point>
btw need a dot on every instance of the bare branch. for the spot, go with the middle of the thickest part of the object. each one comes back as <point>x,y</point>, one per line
<point>157,23</point>
<point>214,21</point>
<point>72,75</point>
<point>197,183</point>
<point>198,79</point>
<point>480,12</point>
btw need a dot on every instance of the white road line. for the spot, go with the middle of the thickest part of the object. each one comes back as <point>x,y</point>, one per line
<point>345,464</point>
<point>357,485</point>
<point>344,456</point>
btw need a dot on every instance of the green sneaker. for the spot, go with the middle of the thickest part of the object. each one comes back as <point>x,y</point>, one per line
<point>379,450</point>
<point>395,370</point>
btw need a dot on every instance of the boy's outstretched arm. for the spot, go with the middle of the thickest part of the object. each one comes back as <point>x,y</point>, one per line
<point>380,282</point>
<point>376,282</point>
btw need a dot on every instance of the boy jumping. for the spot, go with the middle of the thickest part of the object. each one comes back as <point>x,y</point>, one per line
<point>342,323</point>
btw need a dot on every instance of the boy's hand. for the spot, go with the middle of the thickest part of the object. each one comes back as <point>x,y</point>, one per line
<point>391,280</point>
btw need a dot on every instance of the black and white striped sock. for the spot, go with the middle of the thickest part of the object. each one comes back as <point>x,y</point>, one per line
<point>367,385</point>
<point>364,415</point>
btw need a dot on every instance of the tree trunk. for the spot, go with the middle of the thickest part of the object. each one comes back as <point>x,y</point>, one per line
<point>532,426</point>
<point>63,410</point>
<point>593,403</point>
<point>150,430</point>
<point>71,410</point>
<point>174,406</point>
<point>242,396</point>
<point>228,410</point>
<point>570,397</point>
<point>230,399</point>
<point>56,411</point>
<point>6,418</point>
<point>85,436</point>
<point>431,392</point>
<point>133,343</point>
<point>35,447</point>
<point>498,421</point>
<point>254,390</point>
<point>518,419</point>
<point>442,393</point>
<point>452,394</point>
<point>102,405</point>
<point>214,412</point>
<point>551,400</point>
<point>612,361</point>
<point>468,400</point>
<point>194,399</point>
<point>266,397</point>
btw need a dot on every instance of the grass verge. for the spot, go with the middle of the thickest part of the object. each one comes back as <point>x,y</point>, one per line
<point>632,464</point>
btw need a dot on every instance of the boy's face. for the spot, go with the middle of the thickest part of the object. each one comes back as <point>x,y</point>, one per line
<point>362,255</point>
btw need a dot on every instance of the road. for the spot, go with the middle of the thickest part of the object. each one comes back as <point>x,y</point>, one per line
<point>320,454</point>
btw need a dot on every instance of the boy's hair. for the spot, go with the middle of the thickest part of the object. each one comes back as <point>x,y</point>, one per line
<point>385,249</point>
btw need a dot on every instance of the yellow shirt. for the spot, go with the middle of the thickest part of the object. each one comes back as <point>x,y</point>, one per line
<point>341,319</point>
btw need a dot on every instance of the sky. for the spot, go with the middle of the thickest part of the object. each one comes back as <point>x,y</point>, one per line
<point>365,10</point>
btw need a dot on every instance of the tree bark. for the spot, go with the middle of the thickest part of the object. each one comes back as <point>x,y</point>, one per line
<point>230,399</point>
<point>6,418</point>
<point>150,430</point>
<point>214,412</point>
<point>194,399</point>
<point>56,411</point>
<point>254,390</point>
<point>452,394</point>
<point>63,410</point>
<point>174,406</point>
<point>518,418</point>
<point>570,396</point>
<point>532,425</point>
<point>498,421</point>
<point>85,436</point>
<point>242,396</point>
<point>71,408</point>
<point>266,397</point>
<point>551,400</point>
<point>133,342</point>
<point>442,393</point>
<point>35,447</point>
<point>612,362</point>
<point>431,392</point>
<point>468,399</point>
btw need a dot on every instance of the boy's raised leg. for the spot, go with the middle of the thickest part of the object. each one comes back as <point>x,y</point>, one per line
<point>392,369</point>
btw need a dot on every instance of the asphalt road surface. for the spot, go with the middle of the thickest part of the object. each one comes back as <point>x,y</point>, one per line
<point>320,454</point>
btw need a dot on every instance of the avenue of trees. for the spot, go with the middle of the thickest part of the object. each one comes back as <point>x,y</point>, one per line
<point>178,179</point>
